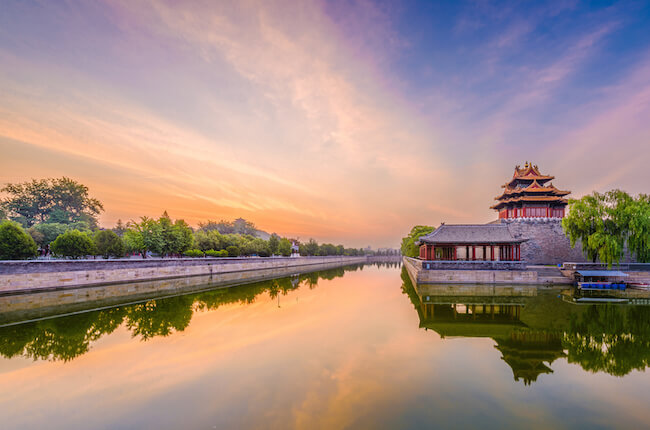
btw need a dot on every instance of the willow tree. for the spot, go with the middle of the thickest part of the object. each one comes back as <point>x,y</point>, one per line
<point>600,222</point>
<point>605,223</point>
<point>639,229</point>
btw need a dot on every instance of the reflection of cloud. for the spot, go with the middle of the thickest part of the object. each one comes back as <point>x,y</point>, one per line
<point>348,353</point>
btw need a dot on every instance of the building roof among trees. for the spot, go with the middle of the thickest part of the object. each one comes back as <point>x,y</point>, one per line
<point>470,234</point>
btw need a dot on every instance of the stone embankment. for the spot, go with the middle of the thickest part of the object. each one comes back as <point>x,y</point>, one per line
<point>41,275</point>
<point>531,275</point>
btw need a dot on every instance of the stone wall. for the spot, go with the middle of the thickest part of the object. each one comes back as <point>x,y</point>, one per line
<point>29,276</point>
<point>546,243</point>
<point>425,276</point>
<point>40,304</point>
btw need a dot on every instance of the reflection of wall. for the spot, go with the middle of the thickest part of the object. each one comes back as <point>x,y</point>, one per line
<point>38,275</point>
<point>34,305</point>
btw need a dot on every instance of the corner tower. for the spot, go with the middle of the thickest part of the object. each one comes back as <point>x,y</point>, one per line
<point>527,195</point>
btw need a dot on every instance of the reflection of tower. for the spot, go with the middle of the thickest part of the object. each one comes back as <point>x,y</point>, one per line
<point>527,353</point>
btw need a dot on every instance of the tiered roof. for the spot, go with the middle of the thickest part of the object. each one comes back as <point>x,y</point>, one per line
<point>529,185</point>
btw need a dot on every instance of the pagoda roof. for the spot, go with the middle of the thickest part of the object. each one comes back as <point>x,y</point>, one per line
<point>545,199</point>
<point>527,173</point>
<point>534,187</point>
<point>470,234</point>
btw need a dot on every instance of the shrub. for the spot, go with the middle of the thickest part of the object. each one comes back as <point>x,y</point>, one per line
<point>213,253</point>
<point>15,244</point>
<point>232,251</point>
<point>193,253</point>
<point>74,244</point>
<point>109,244</point>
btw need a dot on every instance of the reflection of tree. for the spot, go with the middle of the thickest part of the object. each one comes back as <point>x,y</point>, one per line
<point>58,339</point>
<point>601,338</point>
<point>68,337</point>
<point>610,338</point>
<point>159,317</point>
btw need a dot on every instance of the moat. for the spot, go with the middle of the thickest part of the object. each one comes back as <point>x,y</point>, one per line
<point>352,347</point>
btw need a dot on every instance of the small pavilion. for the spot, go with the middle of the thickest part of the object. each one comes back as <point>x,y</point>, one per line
<point>471,242</point>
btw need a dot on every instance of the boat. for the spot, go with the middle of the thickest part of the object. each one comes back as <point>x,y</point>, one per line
<point>601,280</point>
<point>639,286</point>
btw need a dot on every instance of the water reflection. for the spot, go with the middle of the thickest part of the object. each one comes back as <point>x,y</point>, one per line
<point>533,328</point>
<point>66,338</point>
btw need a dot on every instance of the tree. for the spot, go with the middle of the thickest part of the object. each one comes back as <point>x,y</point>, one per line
<point>46,233</point>
<point>233,251</point>
<point>60,200</point>
<point>284,247</point>
<point>144,236</point>
<point>639,229</point>
<point>274,242</point>
<point>119,228</point>
<point>309,248</point>
<point>601,223</point>
<point>15,244</point>
<point>207,240</point>
<point>109,244</point>
<point>409,248</point>
<point>73,243</point>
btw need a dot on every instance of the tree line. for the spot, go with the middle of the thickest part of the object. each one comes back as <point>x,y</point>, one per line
<point>58,216</point>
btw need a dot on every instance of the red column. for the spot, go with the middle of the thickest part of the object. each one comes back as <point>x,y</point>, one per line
<point>492,252</point>
<point>454,252</point>
<point>473,253</point>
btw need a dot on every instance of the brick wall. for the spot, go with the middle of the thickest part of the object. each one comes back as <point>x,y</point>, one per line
<point>546,243</point>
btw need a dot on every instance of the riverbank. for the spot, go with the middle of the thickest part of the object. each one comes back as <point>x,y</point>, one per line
<point>19,277</point>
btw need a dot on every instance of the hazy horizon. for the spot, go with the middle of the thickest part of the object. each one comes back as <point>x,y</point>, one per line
<point>348,123</point>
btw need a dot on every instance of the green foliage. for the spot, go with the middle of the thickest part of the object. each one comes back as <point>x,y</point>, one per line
<point>603,223</point>
<point>409,248</point>
<point>639,229</point>
<point>162,236</point>
<point>284,247</point>
<point>213,253</point>
<point>45,233</point>
<point>274,242</point>
<point>74,244</point>
<point>309,248</point>
<point>109,244</point>
<point>232,251</point>
<point>206,240</point>
<point>144,236</point>
<point>193,253</point>
<point>119,228</point>
<point>60,200</point>
<point>238,226</point>
<point>15,243</point>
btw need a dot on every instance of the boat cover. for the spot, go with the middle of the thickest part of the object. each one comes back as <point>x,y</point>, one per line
<point>602,273</point>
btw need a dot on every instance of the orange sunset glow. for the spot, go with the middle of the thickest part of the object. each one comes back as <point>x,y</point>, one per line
<point>316,119</point>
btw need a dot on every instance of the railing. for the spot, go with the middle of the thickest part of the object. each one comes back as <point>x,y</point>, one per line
<point>632,267</point>
<point>472,265</point>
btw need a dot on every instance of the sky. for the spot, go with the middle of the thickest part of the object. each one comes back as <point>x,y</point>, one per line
<point>347,122</point>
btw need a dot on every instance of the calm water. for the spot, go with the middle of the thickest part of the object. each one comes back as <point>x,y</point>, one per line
<point>354,348</point>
